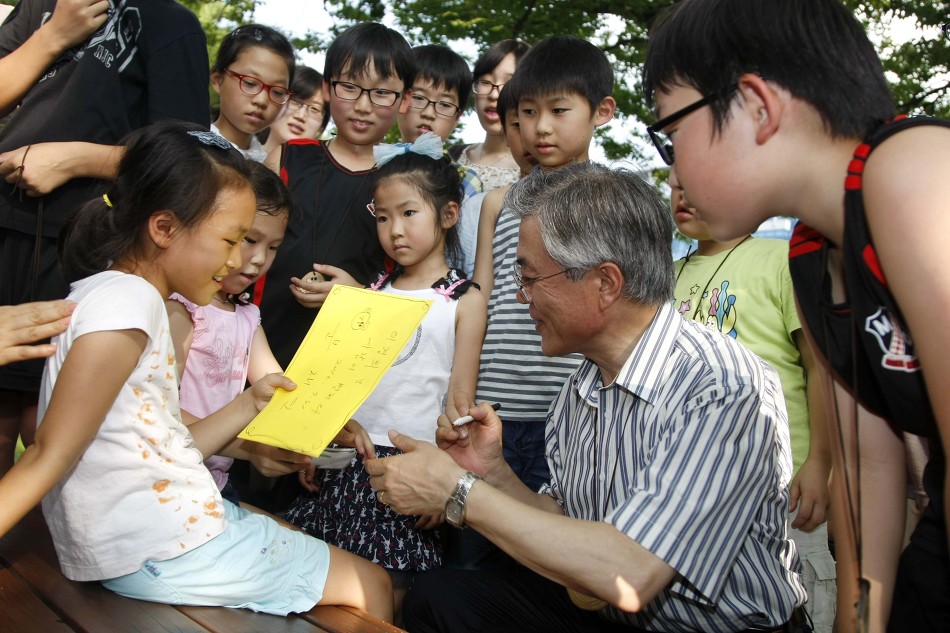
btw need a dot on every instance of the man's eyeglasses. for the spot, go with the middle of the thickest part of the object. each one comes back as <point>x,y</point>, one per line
<point>443,108</point>
<point>484,87</point>
<point>523,282</point>
<point>311,110</point>
<point>351,92</point>
<point>661,141</point>
<point>251,85</point>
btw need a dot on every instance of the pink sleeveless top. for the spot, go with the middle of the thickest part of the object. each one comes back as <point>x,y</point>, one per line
<point>216,369</point>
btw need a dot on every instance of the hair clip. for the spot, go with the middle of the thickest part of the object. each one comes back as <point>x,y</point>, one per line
<point>258,35</point>
<point>105,198</point>
<point>371,207</point>
<point>429,144</point>
<point>211,139</point>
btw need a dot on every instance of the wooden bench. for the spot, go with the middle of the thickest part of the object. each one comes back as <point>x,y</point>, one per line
<point>36,598</point>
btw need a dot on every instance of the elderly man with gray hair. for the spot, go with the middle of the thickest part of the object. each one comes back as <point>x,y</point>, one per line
<point>668,447</point>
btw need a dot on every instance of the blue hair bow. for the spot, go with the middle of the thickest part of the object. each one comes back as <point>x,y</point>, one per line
<point>429,144</point>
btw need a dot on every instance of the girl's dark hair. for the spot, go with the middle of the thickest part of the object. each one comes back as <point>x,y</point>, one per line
<point>497,52</point>
<point>370,43</point>
<point>272,195</point>
<point>816,49</point>
<point>308,82</point>
<point>173,166</point>
<point>244,37</point>
<point>439,182</point>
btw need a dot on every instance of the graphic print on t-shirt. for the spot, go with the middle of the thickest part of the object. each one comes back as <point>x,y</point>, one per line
<point>116,41</point>
<point>716,308</point>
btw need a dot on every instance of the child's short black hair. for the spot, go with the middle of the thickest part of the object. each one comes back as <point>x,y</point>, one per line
<point>441,65</point>
<point>370,43</point>
<point>248,36</point>
<point>506,103</point>
<point>563,64</point>
<point>272,195</point>
<point>816,49</point>
<point>496,53</point>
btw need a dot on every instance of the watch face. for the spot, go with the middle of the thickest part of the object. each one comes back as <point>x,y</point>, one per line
<point>453,513</point>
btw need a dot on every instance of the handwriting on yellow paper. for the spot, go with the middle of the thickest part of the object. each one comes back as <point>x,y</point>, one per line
<point>353,341</point>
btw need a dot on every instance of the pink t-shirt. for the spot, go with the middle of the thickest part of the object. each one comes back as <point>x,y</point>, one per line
<point>216,370</point>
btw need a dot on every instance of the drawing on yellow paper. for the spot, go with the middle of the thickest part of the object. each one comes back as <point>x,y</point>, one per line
<point>353,341</point>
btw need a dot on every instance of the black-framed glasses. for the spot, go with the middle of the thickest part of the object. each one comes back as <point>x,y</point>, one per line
<point>251,85</point>
<point>523,282</point>
<point>484,87</point>
<point>442,108</point>
<point>351,92</point>
<point>661,141</point>
<point>311,110</point>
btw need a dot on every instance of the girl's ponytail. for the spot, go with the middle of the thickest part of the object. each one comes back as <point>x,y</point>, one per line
<point>173,166</point>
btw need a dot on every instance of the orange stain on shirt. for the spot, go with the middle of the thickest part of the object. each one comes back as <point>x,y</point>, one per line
<point>161,485</point>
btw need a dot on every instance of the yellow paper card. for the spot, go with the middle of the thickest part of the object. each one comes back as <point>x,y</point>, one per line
<point>353,341</point>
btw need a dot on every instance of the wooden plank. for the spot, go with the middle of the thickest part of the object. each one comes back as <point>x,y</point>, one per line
<point>22,611</point>
<point>85,606</point>
<point>223,619</point>
<point>347,620</point>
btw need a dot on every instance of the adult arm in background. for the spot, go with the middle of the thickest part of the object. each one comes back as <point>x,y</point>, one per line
<point>177,76</point>
<point>71,23</point>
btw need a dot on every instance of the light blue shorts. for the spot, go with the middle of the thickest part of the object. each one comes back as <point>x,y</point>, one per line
<point>254,564</point>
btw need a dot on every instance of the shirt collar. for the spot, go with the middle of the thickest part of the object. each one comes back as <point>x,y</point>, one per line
<point>642,372</point>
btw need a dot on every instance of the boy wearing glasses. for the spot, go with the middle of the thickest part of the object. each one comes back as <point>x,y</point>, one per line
<point>438,95</point>
<point>435,103</point>
<point>368,69</point>
<point>781,107</point>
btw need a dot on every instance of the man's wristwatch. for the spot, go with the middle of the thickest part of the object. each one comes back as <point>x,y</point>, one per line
<point>455,506</point>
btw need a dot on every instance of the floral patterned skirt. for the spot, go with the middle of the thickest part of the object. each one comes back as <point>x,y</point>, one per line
<point>346,513</point>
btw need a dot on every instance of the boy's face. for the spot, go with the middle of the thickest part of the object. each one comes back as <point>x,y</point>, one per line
<point>360,121</point>
<point>521,155</point>
<point>715,168</point>
<point>557,128</point>
<point>684,215</point>
<point>414,122</point>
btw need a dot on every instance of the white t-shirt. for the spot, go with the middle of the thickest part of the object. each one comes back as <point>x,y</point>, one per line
<point>140,491</point>
<point>410,396</point>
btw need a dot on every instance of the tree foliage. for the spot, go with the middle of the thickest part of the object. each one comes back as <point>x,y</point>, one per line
<point>918,70</point>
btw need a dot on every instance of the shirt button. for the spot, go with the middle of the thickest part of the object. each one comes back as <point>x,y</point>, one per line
<point>602,477</point>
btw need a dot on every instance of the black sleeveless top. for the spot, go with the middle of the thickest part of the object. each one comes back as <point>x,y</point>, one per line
<point>865,339</point>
